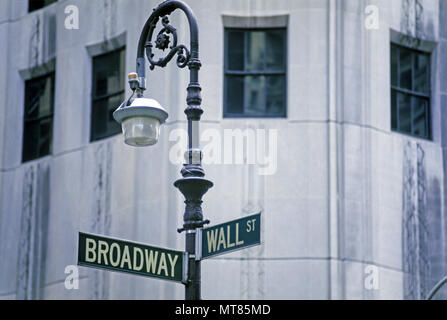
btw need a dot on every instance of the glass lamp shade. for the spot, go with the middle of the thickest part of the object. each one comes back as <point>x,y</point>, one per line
<point>141,121</point>
<point>141,131</point>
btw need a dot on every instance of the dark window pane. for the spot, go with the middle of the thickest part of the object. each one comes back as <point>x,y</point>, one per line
<point>420,117</point>
<point>393,110</point>
<point>33,92</point>
<point>236,50</point>
<point>101,84</point>
<point>394,60</point>
<point>107,93</point>
<point>259,86</point>
<point>404,112</point>
<point>37,4</point>
<point>30,141</point>
<point>275,47</point>
<point>99,118</point>
<point>38,117</point>
<point>234,95</point>
<point>405,66</point>
<point>103,123</point>
<point>255,50</point>
<point>114,127</point>
<point>275,95</point>
<point>39,97</point>
<point>410,96</point>
<point>46,127</point>
<point>421,74</point>
<point>108,73</point>
<point>255,95</point>
<point>46,98</point>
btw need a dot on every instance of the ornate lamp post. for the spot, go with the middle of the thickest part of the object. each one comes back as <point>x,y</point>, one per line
<point>141,118</point>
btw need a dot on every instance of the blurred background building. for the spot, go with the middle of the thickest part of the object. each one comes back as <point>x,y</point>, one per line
<point>355,89</point>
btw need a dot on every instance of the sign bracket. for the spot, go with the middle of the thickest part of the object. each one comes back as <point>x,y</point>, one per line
<point>198,249</point>
<point>185,268</point>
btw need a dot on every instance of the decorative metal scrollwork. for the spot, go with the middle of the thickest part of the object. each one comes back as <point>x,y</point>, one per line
<point>162,41</point>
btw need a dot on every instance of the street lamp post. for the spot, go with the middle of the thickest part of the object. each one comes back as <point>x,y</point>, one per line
<point>141,118</point>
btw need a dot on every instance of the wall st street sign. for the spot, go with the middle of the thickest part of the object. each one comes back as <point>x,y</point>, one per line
<point>124,256</point>
<point>232,235</point>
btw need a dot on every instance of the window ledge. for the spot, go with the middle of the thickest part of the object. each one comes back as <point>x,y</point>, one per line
<point>277,21</point>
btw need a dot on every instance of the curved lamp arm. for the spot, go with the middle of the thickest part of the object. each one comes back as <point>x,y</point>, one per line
<point>436,288</point>
<point>185,57</point>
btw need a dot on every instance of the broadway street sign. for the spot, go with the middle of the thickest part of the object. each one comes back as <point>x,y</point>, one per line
<point>230,236</point>
<point>124,256</point>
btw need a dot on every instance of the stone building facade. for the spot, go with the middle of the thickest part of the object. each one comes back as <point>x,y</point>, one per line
<point>353,209</point>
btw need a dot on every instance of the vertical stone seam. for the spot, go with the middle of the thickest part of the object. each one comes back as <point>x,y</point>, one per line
<point>102,219</point>
<point>24,267</point>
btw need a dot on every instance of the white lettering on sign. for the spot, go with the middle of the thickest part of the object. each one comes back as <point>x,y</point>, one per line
<point>251,225</point>
<point>238,243</point>
<point>132,258</point>
<point>212,238</point>
<point>172,262</point>
<point>151,261</point>
<point>162,265</point>
<point>126,258</point>
<point>137,251</point>
<point>229,244</point>
<point>220,238</point>
<point>90,247</point>
<point>115,247</point>
<point>103,247</point>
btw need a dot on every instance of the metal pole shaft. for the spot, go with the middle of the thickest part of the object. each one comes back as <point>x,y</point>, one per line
<point>192,288</point>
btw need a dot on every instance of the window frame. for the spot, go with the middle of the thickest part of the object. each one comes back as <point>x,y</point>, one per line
<point>39,118</point>
<point>243,74</point>
<point>94,99</point>
<point>411,93</point>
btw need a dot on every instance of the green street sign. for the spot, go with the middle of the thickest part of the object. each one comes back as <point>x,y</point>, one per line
<point>233,235</point>
<point>125,256</point>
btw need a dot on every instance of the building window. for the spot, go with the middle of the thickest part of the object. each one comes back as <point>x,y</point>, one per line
<point>38,117</point>
<point>37,4</point>
<point>107,93</point>
<point>410,91</point>
<point>255,72</point>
